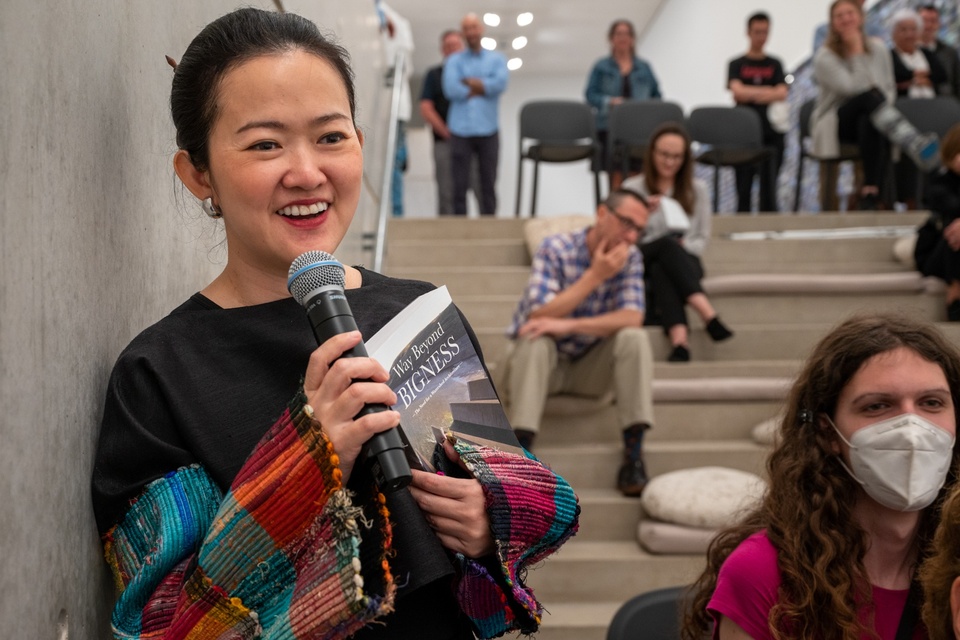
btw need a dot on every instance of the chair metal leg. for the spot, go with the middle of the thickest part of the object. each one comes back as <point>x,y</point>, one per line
<point>716,187</point>
<point>799,185</point>
<point>533,197</point>
<point>596,187</point>
<point>516,211</point>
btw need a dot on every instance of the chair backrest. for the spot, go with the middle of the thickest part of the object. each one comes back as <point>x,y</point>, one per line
<point>654,615</point>
<point>556,121</point>
<point>931,115</point>
<point>726,127</point>
<point>632,122</point>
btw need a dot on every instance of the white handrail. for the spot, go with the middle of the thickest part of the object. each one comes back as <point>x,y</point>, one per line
<point>385,192</point>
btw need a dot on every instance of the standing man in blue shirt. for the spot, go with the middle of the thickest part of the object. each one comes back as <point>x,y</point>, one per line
<point>473,80</point>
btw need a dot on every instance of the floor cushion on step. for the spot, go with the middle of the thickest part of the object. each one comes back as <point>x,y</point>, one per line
<point>767,431</point>
<point>703,497</point>
<point>663,537</point>
<point>903,251</point>
<point>720,389</point>
<point>536,229</point>
<point>781,283</point>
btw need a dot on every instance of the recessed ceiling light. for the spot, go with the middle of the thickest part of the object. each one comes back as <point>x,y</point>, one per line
<point>491,19</point>
<point>519,42</point>
<point>524,19</point>
<point>514,63</point>
<point>488,43</point>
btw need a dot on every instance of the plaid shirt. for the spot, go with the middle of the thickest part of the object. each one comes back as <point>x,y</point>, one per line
<point>560,261</point>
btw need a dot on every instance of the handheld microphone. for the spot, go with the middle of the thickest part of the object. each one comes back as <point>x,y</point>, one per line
<point>316,281</point>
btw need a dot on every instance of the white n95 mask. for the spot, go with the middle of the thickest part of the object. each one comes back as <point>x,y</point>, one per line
<point>901,462</point>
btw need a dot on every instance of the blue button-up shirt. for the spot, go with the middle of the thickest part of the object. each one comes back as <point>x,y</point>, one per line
<point>472,116</point>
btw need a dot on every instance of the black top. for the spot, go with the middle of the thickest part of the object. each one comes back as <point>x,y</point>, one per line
<point>902,75</point>
<point>942,196</point>
<point>757,72</point>
<point>203,385</point>
<point>433,91</point>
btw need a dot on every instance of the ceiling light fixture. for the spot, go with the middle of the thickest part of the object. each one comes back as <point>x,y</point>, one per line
<point>524,19</point>
<point>488,43</point>
<point>491,19</point>
<point>519,42</point>
<point>514,63</point>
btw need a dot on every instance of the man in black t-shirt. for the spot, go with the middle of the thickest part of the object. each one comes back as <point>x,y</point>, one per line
<point>756,80</point>
<point>433,108</point>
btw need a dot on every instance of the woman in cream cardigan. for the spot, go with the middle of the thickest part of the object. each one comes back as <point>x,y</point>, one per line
<point>855,77</point>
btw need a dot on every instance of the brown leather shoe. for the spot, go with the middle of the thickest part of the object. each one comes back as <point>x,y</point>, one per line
<point>632,478</point>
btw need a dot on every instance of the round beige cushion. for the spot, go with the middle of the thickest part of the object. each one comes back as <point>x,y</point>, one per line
<point>706,497</point>
<point>767,432</point>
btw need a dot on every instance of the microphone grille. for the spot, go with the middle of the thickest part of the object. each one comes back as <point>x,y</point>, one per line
<point>312,270</point>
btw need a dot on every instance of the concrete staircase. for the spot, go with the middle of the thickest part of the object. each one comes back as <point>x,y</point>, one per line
<point>485,265</point>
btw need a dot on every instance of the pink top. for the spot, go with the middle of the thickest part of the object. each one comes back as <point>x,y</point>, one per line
<point>747,589</point>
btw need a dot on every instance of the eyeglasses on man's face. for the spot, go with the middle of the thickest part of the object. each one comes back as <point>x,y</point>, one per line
<point>627,224</point>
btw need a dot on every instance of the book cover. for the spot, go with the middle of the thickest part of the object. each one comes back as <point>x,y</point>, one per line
<point>441,385</point>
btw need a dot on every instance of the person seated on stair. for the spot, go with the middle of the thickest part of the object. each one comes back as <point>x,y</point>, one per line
<point>578,328</point>
<point>671,258</point>
<point>854,105</point>
<point>867,453</point>
<point>940,575</point>
<point>938,244</point>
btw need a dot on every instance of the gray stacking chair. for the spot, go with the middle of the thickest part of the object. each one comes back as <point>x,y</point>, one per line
<point>556,131</point>
<point>654,615</point>
<point>728,137</point>
<point>630,125</point>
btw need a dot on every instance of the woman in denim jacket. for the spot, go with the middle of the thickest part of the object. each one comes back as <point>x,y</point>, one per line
<point>618,77</point>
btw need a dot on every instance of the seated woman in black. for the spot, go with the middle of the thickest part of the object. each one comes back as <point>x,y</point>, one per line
<point>938,245</point>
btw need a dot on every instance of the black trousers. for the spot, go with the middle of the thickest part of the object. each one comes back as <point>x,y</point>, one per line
<point>672,275</point>
<point>487,151</point>
<point>769,170</point>
<point>854,127</point>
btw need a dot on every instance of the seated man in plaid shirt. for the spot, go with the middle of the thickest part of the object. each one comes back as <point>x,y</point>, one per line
<point>578,328</point>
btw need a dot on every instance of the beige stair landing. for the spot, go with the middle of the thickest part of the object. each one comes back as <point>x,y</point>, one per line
<point>705,410</point>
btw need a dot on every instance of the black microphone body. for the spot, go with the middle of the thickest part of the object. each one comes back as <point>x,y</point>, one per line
<point>329,314</point>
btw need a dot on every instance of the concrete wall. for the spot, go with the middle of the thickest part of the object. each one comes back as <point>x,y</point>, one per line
<point>96,242</point>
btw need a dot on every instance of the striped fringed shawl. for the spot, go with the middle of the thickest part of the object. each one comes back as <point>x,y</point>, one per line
<point>262,562</point>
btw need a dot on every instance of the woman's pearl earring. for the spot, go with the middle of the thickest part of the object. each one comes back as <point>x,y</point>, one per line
<point>211,209</point>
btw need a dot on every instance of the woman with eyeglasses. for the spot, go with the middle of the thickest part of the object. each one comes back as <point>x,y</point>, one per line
<point>672,258</point>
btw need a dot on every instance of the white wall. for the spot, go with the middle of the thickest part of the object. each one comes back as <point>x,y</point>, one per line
<point>688,43</point>
<point>96,243</point>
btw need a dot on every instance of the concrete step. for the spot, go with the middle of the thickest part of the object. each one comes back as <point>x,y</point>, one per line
<point>577,620</point>
<point>788,308</point>
<point>584,571</point>
<point>464,282</point>
<point>442,229</point>
<point>673,422</point>
<point>594,465</point>
<point>760,253</point>
<point>455,253</point>
<point>726,224</point>
<point>732,369</point>
<point>608,516</point>
<point>886,265</point>
<point>751,342</point>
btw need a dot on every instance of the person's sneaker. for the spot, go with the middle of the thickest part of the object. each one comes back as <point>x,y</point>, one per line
<point>928,153</point>
<point>632,478</point>
<point>679,354</point>
<point>868,202</point>
<point>717,330</point>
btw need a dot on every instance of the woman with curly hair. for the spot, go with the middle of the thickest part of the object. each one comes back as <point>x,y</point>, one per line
<point>866,453</point>
<point>940,575</point>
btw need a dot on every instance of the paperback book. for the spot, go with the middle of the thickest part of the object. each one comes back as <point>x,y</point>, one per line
<point>441,385</point>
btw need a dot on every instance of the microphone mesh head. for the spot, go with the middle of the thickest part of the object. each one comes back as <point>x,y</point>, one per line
<point>311,271</point>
